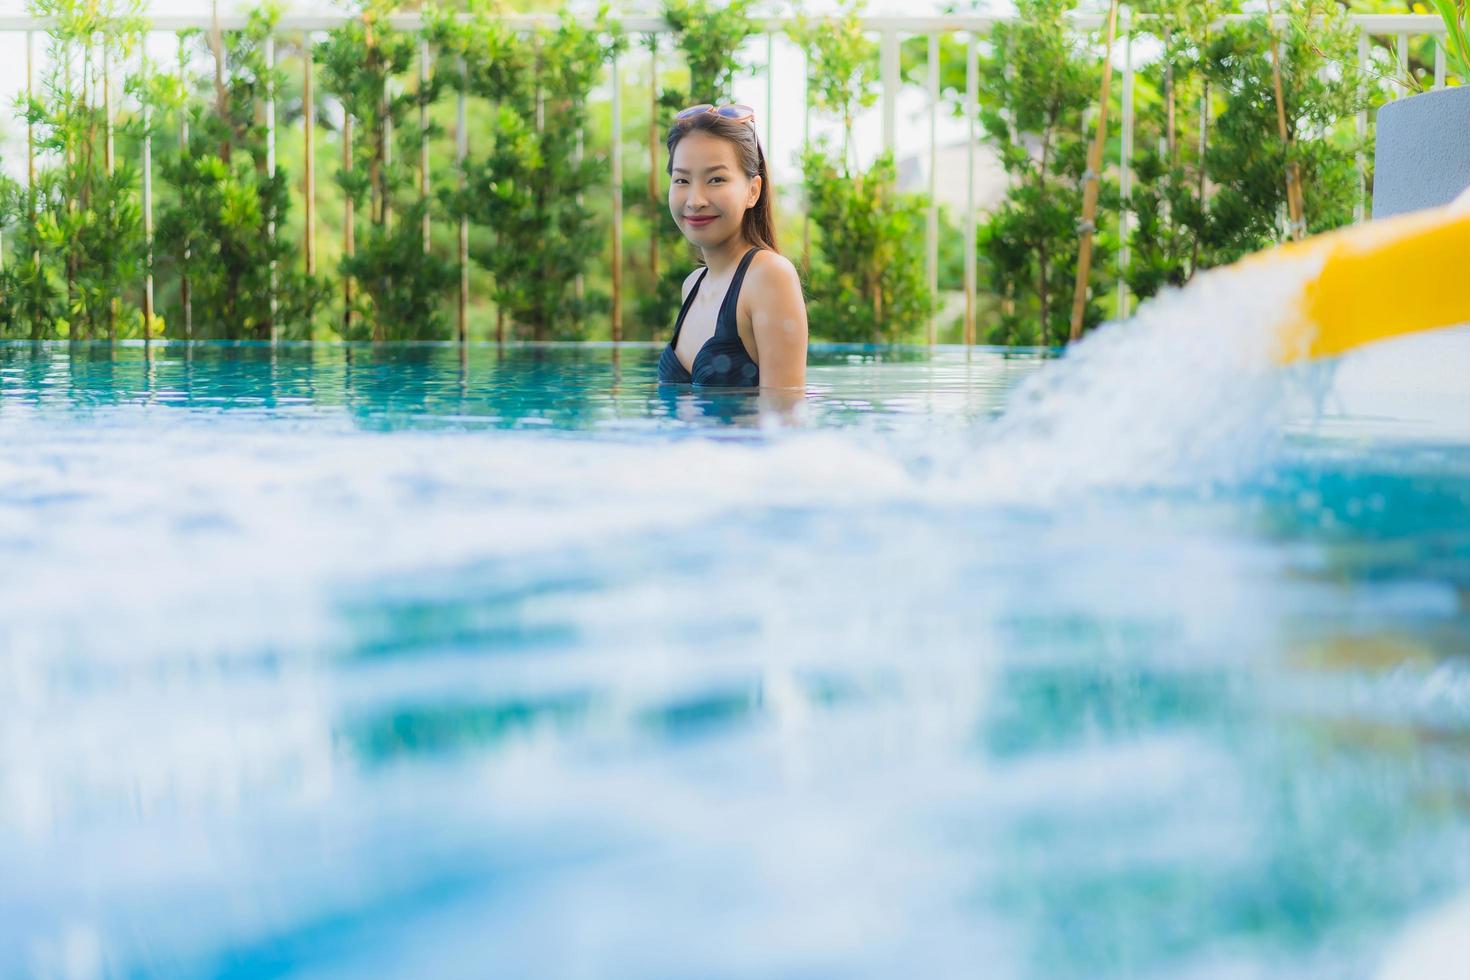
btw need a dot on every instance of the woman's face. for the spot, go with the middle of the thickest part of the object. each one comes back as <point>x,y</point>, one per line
<point>707,182</point>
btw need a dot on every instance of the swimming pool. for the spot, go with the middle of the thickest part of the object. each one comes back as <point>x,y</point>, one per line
<point>331,661</point>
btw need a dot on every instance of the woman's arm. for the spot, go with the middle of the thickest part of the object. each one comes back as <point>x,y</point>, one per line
<point>778,319</point>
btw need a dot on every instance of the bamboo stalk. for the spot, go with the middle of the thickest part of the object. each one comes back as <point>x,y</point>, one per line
<point>579,284</point>
<point>385,137</point>
<point>147,214</point>
<point>270,169</point>
<point>1294,205</point>
<point>1170,142</point>
<point>1204,147</point>
<point>1091,180</point>
<point>308,107</point>
<point>424,139</point>
<point>375,139</point>
<point>108,162</point>
<point>1125,164</point>
<point>31,141</point>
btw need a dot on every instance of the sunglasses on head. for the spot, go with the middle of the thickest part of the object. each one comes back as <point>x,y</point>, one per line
<point>735,112</point>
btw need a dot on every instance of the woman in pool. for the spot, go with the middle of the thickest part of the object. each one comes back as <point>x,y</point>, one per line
<point>743,320</point>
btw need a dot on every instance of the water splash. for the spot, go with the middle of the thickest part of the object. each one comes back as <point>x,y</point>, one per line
<point>1184,394</point>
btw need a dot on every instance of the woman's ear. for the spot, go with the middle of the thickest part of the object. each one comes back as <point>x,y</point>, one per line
<point>755,191</point>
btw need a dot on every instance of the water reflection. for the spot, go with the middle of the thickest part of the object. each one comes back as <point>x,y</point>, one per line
<point>395,386</point>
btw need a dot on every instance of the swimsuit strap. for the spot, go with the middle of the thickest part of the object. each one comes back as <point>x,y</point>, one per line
<point>688,300</point>
<point>731,297</point>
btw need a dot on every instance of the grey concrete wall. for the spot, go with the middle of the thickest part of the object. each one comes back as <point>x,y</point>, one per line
<point>1422,158</point>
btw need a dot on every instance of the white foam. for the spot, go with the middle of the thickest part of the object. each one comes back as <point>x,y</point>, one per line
<point>1184,393</point>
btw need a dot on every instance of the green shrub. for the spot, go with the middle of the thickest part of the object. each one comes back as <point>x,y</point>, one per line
<point>403,288</point>
<point>76,256</point>
<point>524,185</point>
<point>1038,83</point>
<point>867,281</point>
<point>215,234</point>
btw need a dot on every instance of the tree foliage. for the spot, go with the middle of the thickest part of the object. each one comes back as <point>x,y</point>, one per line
<point>78,255</point>
<point>1038,82</point>
<point>867,282</point>
<point>526,184</point>
<point>1208,163</point>
<point>217,230</point>
<point>1195,211</point>
<point>403,284</point>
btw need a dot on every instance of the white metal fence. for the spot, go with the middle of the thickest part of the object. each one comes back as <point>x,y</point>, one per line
<point>1402,29</point>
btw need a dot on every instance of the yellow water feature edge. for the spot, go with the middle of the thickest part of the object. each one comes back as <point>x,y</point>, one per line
<point>1382,279</point>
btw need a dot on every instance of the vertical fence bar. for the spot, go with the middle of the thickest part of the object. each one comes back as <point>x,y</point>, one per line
<point>653,150</point>
<point>1360,208</point>
<point>931,251</point>
<point>107,152</point>
<point>806,139</point>
<point>308,134</point>
<point>30,130</point>
<point>888,70</point>
<point>31,139</point>
<point>1439,66</point>
<point>461,152</point>
<point>617,190</point>
<point>270,170</point>
<point>1403,56</point>
<point>349,216</point>
<point>770,95</point>
<point>972,97</point>
<point>1125,164</point>
<point>424,137</point>
<point>147,209</point>
<point>185,298</point>
<point>540,103</point>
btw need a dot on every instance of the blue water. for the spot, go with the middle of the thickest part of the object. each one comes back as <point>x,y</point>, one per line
<point>334,662</point>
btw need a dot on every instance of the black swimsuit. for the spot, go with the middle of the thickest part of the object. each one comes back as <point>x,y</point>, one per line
<point>723,360</point>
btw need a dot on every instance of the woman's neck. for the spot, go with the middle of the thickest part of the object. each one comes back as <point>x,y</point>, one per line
<point>723,258</point>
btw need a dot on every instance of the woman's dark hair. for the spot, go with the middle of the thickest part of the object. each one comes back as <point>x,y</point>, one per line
<point>759,224</point>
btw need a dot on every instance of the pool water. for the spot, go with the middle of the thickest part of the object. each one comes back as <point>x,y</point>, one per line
<point>408,662</point>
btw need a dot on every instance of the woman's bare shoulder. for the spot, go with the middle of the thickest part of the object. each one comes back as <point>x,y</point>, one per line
<point>772,267</point>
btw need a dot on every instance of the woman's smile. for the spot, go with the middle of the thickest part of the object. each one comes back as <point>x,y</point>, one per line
<point>699,221</point>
